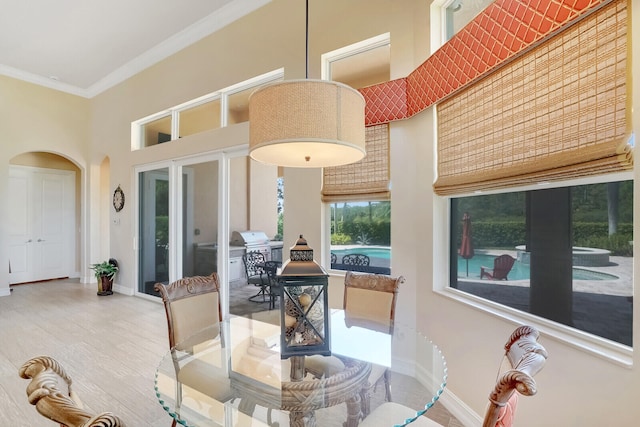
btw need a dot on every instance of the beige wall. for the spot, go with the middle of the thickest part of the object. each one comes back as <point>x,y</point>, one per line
<point>576,388</point>
<point>36,119</point>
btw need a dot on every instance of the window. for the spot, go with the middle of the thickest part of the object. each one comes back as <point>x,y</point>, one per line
<point>156,130</point>
<point>200,118</point>
<point>280,191</point>
<point>360,211</point>
<point>571,248</point>
<point>225,107</point>
<point>361,236</point>
<point>493,138</point>
<point>460,12</point>
<point>358,195</point>
<point>238,106</point>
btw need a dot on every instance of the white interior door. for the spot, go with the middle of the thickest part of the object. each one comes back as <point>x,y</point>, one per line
<point>42,224</point>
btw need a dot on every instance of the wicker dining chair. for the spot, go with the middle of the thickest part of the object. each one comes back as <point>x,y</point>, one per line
<point>51,393</point>
<point>369,301</point>
<point>524,358</point>
<point>192,308</point>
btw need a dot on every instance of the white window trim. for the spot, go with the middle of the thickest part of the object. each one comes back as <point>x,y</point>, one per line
<point>608,350</point>
<point>138,125</point>
<point>222,94</point>
<point>438,21</point>
<point>174,167</point>
<point>611,351</point>
<point>328,58</point>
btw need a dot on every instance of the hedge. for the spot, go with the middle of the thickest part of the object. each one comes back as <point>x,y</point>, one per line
<point>509,234</point>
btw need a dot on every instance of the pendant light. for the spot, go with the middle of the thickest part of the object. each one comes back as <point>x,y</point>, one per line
<point>306,123</point>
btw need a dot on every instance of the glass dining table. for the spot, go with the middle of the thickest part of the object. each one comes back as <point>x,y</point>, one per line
<point>232,374</point>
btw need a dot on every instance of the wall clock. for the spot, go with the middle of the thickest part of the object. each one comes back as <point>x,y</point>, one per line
<point>118,199</point>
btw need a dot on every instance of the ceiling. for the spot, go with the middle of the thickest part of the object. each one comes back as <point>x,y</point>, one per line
<point>87,46</point>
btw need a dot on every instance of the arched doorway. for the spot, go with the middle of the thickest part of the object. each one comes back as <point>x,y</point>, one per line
<point>44,189</point>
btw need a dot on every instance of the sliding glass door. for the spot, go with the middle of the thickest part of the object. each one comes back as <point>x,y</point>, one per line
<point>178,221</point>
<point>199,224</point>
<point>153,190</point>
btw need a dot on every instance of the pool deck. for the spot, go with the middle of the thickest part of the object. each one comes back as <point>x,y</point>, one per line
<point>601,307</point>
<point>622,267</point>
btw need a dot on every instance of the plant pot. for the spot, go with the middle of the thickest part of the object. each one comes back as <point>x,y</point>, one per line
<point>104,285</point>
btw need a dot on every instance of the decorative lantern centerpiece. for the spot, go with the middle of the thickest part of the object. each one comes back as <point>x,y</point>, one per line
<point>304,304</point>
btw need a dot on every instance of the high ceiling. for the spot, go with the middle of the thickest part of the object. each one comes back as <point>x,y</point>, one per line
<point>86,46</point>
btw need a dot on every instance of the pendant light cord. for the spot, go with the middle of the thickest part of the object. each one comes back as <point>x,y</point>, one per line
<point>306,70</point>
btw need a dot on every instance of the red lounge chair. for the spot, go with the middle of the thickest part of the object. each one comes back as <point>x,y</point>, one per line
<point>501,267</point>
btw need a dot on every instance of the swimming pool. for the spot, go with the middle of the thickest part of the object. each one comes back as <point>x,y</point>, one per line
<point>520,271</point>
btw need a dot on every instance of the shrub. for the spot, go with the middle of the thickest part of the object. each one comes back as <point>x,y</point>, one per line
<point>508,234</point>
<point>340,239</point>
<point>617,243</point>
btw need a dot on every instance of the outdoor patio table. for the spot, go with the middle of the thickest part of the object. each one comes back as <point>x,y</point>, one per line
<point>242,380</point>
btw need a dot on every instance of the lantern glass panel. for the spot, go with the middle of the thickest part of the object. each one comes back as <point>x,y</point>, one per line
<point>304,311</point>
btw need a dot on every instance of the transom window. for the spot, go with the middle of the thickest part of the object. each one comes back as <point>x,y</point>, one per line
<point>218,109</point>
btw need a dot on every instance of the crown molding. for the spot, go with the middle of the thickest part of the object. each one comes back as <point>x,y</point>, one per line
<point>39,80</point>
<point>208,25</point>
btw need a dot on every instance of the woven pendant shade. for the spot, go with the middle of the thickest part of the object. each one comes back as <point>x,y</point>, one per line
<point>306,123</point>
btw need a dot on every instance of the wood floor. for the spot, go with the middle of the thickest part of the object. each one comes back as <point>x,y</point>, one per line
<point>109,345</point>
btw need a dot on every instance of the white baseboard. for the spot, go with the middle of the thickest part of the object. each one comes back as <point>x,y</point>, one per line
<point>122,289</point>
<point>460,410</point>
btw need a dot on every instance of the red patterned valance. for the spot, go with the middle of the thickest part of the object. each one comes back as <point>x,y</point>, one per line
<point>497,35</point>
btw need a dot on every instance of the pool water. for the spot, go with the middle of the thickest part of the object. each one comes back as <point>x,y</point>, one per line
<point>520,271</point>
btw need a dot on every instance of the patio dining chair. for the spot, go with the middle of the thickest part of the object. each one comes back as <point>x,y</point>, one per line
<point>524,358</point>
<point>271,267</point>
<point>254,267</point>
<point>356,260</point>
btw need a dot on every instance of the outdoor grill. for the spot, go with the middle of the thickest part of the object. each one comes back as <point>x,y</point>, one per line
<point>252,241</point>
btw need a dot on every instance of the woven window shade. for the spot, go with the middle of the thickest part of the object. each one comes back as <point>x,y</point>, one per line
<point>557,112</point>
<point>365,180</point>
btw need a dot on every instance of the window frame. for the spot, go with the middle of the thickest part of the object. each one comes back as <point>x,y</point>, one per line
<point>327,221</point>
<point>137,126</point>
<point>615,353</point>
<point>326,61</point>
<point>612,351</point>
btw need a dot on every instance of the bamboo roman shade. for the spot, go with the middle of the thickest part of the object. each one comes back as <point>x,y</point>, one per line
<point>557,112</point>
<point>365,180</point>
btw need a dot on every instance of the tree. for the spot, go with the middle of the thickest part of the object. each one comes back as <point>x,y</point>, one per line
<point>613,191</point>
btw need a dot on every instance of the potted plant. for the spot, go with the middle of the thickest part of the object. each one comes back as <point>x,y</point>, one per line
<point>105,272</point>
